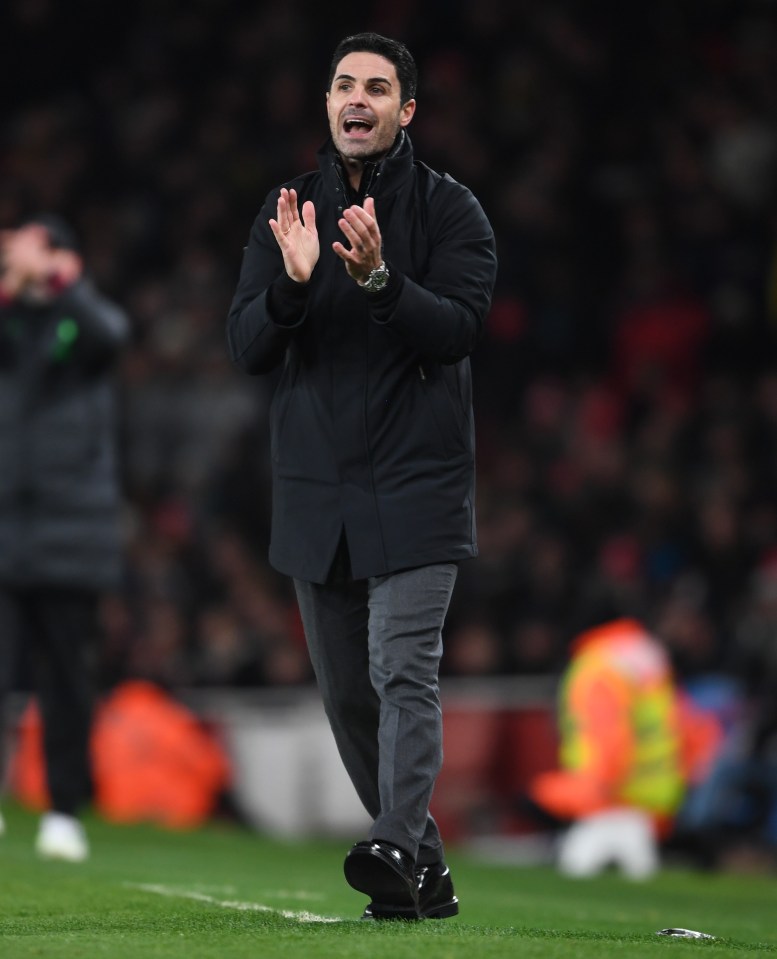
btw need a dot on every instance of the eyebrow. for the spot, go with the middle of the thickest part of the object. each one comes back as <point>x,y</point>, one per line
<point>347,76</point>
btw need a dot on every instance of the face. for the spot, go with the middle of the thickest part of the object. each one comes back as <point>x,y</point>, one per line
<point>26,254</point>
<point>26,244</point>
<point>365,107</point>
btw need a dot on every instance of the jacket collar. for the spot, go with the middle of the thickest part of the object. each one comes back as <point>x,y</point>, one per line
<point>378,179</point>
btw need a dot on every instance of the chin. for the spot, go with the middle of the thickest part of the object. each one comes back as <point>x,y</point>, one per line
<point>354,151</point>
<point>363,153</point>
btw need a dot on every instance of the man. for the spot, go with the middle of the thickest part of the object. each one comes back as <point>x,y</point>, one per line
<point>59,498</point>
<point>369,281</point>
<point>631,745</point>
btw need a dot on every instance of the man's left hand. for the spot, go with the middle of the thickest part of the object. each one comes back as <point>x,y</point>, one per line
<point>360,227</point>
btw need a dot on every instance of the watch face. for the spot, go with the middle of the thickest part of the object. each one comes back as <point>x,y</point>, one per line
<point>377,279</point>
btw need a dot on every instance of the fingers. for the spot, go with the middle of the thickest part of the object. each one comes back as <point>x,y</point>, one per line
<point>362,223</point>
<point>308,215</point>
<point>291,197</point>
<point>345,254</point>
<point>287,210</point>
<point>360,228</point>
<point>288,216</point>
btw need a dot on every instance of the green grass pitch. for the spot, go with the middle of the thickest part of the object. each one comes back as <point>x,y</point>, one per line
<point>226,892</point>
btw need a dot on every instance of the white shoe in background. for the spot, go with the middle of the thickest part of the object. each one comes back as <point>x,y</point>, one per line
<point>2,825</point>
<point>623,838</point>
<point>61,837</point>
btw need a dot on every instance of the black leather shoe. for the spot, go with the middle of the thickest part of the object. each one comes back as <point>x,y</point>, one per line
<point>436,898</point>
<point>387,875</point>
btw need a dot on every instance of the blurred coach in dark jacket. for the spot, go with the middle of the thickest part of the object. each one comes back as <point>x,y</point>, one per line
<point>59,496</point>
<point>369,281</point>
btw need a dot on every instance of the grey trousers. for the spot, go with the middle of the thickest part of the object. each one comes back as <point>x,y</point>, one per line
<point>375,646</point>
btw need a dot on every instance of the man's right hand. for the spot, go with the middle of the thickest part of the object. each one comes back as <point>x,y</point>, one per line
<point>297,235</point>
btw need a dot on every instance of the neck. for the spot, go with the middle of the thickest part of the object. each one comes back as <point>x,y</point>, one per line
<point>353,170</point>
<point>354,166</point>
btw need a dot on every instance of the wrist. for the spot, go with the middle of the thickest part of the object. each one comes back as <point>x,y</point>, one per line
<point>376,280</point>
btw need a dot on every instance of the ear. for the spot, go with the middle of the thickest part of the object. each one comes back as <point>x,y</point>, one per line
<point>406,113</point>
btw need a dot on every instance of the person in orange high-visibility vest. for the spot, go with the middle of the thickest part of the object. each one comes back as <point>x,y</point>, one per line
<point>630,744</point>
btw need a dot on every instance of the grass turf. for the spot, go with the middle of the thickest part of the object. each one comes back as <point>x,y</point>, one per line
<point>222,891</point>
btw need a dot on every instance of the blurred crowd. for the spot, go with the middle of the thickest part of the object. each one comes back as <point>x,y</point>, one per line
<point>626,386</point>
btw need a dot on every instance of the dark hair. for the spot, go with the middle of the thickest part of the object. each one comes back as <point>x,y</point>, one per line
<point>392,50</point>
<point>61,235</point>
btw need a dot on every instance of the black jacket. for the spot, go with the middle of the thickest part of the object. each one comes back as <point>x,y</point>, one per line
<point>371,423</point>
<point>59,495</point>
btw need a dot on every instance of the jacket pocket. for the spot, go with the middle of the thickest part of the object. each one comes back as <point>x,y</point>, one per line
<point>279,408</point>
<point>445,409</point>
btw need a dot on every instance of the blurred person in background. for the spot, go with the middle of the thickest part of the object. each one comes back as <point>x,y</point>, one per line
<point>369,281</point>
<point>732,821</point>
<point>631,745</point>
<point>59,498</point>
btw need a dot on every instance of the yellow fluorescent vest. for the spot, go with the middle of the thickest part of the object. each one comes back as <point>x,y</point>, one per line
<point>619,719</point>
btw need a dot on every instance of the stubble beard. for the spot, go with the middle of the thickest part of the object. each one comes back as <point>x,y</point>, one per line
<point>364,152</point>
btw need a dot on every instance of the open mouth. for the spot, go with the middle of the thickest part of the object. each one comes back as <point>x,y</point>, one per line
<point>356,126</point>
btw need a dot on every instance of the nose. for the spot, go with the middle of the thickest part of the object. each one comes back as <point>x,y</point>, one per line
<point>357,96</point>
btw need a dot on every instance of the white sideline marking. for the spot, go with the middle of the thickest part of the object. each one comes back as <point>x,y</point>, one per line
<point>303,894</point>
<point>171,891</point>
<point>291,894</point>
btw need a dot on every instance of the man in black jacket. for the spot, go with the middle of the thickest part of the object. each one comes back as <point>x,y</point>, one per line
<point>369,281</point>
<point>59,497</point>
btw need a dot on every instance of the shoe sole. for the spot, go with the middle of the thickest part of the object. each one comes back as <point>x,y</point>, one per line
<point>380,913</point>
<point>442,911</point>
<point>387,888</point>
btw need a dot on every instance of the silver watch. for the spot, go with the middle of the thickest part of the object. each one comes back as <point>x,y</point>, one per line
<point>377,279</point>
